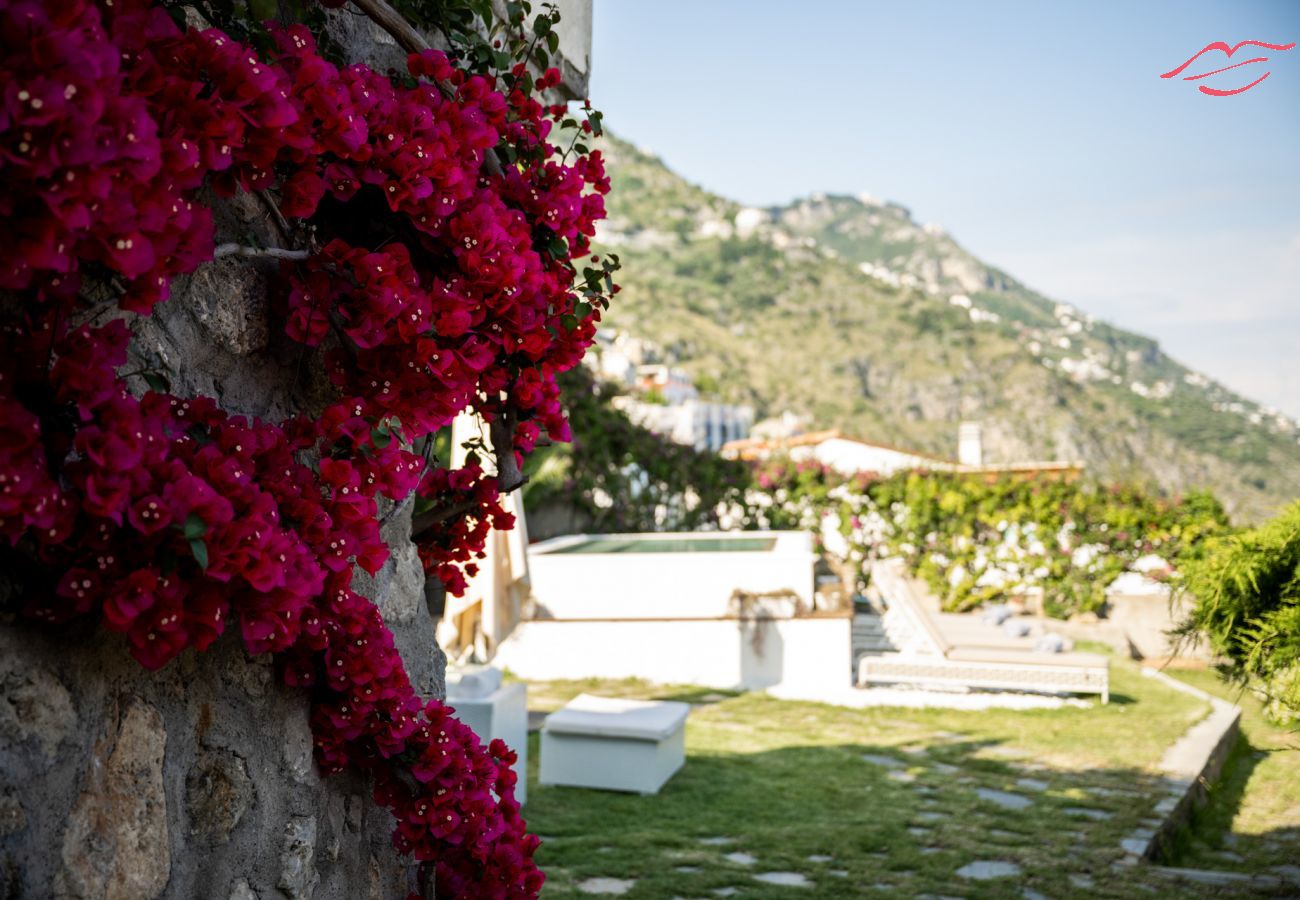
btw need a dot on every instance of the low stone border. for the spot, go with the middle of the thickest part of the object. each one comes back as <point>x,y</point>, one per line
<point>1190,765</point>
<point>1254,880</point>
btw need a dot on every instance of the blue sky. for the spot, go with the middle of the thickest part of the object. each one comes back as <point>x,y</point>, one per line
<point>1038,133</point>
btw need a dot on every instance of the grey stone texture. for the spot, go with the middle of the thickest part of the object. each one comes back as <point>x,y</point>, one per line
<point>174,783</point>
<point>198,780</point>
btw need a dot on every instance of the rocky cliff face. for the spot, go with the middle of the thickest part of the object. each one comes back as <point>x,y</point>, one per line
<point>846,310</point>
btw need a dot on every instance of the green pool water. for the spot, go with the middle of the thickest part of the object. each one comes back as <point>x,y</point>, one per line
<point>670,545</point>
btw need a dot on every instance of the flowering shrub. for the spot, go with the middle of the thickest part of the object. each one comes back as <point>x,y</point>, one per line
<point>446,283</point>
<point>974,541</point>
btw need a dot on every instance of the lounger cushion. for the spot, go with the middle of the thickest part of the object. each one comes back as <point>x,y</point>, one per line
<point>647,720</point>
<point>1027,657</point>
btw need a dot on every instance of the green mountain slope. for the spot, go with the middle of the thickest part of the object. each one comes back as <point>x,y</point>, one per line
<point>845,310</point>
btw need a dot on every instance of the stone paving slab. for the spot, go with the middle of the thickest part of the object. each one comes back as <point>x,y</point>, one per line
<point>984,870</point>
<point>1004,799</point>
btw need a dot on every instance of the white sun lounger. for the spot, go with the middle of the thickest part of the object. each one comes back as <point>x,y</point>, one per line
<point>931,661</point>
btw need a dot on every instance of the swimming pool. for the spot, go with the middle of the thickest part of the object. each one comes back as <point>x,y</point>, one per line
<point>666,576</point>
<point>669,543</point>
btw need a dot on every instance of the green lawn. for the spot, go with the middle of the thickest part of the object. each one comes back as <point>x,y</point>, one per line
<point>786,783</point>
<point>1252,821</point>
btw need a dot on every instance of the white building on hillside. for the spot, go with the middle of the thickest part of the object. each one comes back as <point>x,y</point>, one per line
<point>696,423</point>
<point>851,455</point>
<point>846,454</point>
<point>670,384</point>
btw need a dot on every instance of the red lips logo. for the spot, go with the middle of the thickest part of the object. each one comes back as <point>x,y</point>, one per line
<point>1228,51</point>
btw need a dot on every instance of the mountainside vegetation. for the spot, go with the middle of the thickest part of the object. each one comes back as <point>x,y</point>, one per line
<point>846,311</point>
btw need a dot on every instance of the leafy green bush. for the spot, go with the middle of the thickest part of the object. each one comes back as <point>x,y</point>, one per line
<point>619,476</point>
<point>1247,601</point>
<point>975,541</point>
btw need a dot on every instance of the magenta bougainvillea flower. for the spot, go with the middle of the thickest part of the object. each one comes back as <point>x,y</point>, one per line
<point>168,519</point>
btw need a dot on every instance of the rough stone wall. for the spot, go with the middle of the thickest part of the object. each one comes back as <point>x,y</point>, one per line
<point>198,781</point>
<point>195,781</point>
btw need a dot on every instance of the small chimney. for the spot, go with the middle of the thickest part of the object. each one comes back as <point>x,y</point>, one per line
<point>970,445</point>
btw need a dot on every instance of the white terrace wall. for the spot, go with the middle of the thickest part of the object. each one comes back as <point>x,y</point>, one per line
<point>800,655</point>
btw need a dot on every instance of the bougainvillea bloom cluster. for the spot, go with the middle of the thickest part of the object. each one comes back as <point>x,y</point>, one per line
<point>442,284</point>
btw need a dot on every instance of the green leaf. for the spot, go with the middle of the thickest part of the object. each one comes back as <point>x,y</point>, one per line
<point>484,10</point>
<point>194,527</point>
<point>553,42</point>
<point>381,436</point>
<point>200,551</point>
<point>157,382</point>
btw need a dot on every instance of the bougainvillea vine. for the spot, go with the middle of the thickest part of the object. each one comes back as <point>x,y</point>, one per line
<point>441,281</point>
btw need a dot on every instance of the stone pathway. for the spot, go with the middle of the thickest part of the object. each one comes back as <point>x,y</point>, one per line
<point>981,817</point>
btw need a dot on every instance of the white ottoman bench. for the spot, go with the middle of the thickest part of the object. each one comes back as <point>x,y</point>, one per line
<point>493,710</point>
<point>617,745</point>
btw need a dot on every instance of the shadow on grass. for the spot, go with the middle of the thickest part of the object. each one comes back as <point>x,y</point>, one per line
<point>700,696</point>
<point>847,817</point>
<point>1209,840</point>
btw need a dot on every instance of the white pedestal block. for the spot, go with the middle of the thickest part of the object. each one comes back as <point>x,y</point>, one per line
<point>500,713</point>
<point>612,744</point>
